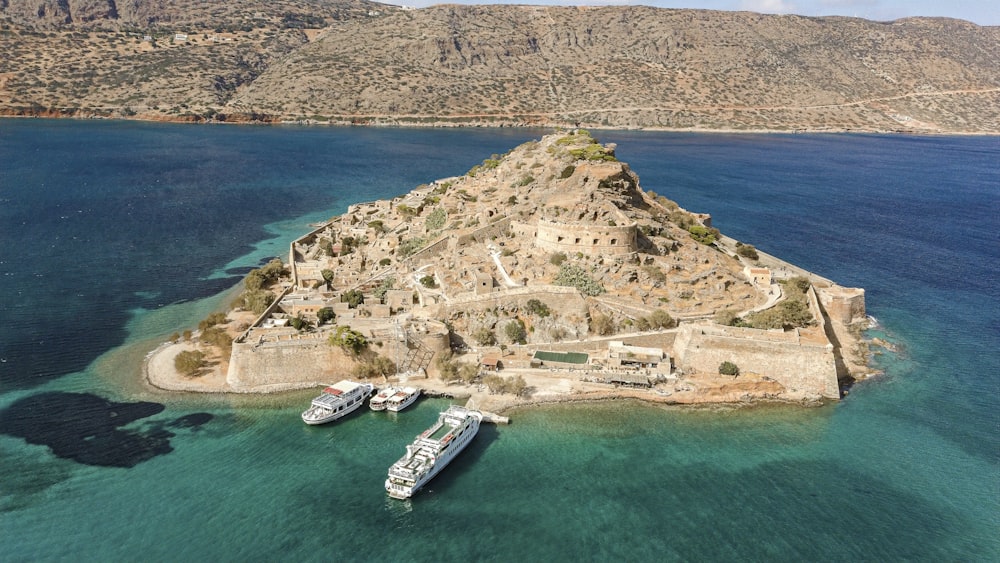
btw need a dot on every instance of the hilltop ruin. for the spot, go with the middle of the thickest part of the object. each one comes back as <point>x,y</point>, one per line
<point>549,258</point>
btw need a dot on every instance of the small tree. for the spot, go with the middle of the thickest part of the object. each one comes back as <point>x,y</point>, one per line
<point>516,385</point>
<point>515,331</point>
<point>350,341</point>
<point>428,281</point>
<point>484,337</point>
<point>661,319</point>
<point>376,366</point>
<point>494,383</point>
<point>468,373</point>
<point>299,323</point>
<point>327,278</point>
<point>353,298</point>
<point>325,315</point>
<point>729,368</point>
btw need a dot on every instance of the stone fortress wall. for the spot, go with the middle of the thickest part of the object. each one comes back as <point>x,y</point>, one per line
<point>570,238</point>
<point>804,368</point>
<point>845,305</point>
<point>556,297</point>
<point>257,367</point>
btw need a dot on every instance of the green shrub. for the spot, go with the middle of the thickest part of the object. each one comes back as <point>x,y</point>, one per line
<point>557,258</point>
<point>661,319</point>
<point>189,362</point>
<point>703,234</point>
<point>350,341</point>
<point>325,315</point>
<point>484,337</point>
<point>353,298</point>
<point>408,247</point>
<point>788,314</point>
<point>747,251</point>
<point>515,332</point>
<point>257,301</point>
<point>572,275</point>
<point>385,285</point>
<point>729,368</point>
<point>436,219</point>
<point>567,172</point>
<point>536,307</point>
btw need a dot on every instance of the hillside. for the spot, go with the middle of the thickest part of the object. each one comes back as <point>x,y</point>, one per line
<point>360,62</point>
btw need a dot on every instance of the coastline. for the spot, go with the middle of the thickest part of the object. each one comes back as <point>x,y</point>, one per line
<point>392,124</point>
<point>546,387</point>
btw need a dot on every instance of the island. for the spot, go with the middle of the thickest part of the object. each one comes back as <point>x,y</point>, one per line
<point>544,274</point>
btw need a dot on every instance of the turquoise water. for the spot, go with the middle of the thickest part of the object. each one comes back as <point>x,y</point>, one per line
<point>906,467</point>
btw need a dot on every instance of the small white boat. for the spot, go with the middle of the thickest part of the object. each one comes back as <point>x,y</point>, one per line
<point>378,401</point>
<point>402,398</point>
<point>337,401</point>
<point>432,451</point>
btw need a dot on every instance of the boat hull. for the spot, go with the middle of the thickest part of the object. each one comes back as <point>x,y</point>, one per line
<point>316,415</point>
<point>409,400</point>
<point>402,484</point>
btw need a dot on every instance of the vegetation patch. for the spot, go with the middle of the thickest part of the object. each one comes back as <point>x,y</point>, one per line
<point>572,275</point>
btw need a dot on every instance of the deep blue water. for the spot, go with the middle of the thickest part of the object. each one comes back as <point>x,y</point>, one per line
<point>114,235</point>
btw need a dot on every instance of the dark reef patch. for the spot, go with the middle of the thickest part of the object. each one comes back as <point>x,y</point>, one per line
<point>88,429</point>
<point>193,420</point>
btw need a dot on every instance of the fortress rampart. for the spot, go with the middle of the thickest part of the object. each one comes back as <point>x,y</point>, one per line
<point>555,296</point>
<point>495,229</point>
<point>589,239</point>
<point>845,305</point>
<point>256,366</point>
<point>429,251</point>
<point>804,368</point>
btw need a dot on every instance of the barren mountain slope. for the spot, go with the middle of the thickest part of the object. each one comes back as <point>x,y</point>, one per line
<point>638,66</point>
<point>609,66</point>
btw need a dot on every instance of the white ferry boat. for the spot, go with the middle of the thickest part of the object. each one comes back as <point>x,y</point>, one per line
<point>402,398</point>
<point>337,401</point>
<point>432,451</point>
<point>378,402</point>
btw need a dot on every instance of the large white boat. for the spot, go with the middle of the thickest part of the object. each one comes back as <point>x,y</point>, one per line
<point>336,401</point>
<point>402,398</point>
<point>379,400</point>
<point>432,451</point>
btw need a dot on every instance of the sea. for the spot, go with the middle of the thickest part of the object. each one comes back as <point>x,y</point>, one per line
<point>114,235</point>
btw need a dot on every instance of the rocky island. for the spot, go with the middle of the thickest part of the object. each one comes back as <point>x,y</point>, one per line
<point>543,274</point>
